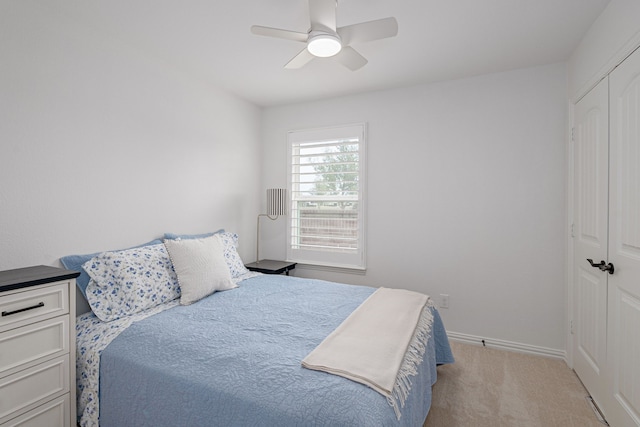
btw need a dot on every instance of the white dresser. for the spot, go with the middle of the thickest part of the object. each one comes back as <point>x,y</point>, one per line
<point>37,347</point>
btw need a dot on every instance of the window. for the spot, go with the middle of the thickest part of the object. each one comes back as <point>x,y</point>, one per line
<point>326,184</point>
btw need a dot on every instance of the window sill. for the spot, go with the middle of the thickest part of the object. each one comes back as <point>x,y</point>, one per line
<point>333,269</point>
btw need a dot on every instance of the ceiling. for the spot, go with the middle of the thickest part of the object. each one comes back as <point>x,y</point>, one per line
<point>437,40</point>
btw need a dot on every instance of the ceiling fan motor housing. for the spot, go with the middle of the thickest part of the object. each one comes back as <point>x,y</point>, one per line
<point>324,44</point>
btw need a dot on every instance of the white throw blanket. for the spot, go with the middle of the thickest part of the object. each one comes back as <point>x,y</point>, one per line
<point>380,344</point>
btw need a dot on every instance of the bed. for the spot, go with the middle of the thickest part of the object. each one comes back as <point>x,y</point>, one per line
<point>233,358</point>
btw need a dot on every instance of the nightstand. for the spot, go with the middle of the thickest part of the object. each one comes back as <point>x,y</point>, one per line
<point>38,347</point>
<point>269,266</point>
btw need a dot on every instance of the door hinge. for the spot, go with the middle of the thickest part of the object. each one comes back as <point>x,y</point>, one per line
<point>573,134</point>
<point>571,326</point>
<point>573,234</point>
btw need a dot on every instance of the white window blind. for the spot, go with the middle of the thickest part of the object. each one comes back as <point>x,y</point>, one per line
<point>326,183</point>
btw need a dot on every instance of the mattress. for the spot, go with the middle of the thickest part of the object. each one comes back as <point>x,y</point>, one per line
<point>234,359</point>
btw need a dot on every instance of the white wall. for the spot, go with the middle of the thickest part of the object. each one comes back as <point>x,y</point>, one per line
<point>466,196</point>
<point>610,39</point>
<point>102,147</point>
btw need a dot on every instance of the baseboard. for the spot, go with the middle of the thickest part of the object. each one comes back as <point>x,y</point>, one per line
<point>508,345</point>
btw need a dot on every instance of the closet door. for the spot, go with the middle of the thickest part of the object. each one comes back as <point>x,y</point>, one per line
<point>624,245</point>
<point>590,223</point>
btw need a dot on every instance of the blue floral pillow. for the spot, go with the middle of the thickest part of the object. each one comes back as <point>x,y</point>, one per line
<point>75,262</point>
<point>231,256</point>
<point>130,281</point>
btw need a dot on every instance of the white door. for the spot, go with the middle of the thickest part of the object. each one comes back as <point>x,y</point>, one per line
<point>590,231</point>
<point>624,246</point>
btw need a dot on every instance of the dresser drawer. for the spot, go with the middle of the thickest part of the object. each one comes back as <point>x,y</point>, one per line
<point>20,308</point>
<point>27,389</point>
<point>25,346</point>
<point>51,414</point>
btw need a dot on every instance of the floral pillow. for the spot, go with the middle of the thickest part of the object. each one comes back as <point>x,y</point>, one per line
<point>231,256</point>
<point>130,281</point>
<point>75,262</point>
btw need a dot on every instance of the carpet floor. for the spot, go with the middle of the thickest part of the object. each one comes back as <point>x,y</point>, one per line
<point>490,387</point>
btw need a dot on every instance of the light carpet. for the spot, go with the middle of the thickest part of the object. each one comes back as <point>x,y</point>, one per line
<point>490,387</point>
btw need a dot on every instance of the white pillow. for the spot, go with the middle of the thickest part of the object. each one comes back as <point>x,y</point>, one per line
<point>200,267</point>
<point>229,250</point>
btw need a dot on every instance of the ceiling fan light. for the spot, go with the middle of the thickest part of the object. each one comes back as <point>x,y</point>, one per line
<point>324,45</point>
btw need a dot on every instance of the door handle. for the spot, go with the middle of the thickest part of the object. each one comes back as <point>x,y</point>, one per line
<point>602,266</point>
<point>595,265</point>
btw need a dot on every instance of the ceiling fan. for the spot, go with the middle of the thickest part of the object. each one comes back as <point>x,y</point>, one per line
<point>324,39</point>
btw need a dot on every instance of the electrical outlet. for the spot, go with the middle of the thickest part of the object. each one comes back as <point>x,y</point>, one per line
<point>444,300</point>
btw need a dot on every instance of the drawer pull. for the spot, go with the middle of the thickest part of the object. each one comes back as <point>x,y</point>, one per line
<point>9,313</point>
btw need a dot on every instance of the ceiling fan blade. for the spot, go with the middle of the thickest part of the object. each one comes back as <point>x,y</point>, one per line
<point>351,59</point>
<point>323,14</point>
<point>281,34</point>
<point>300,60</point>
<point>368,31</point>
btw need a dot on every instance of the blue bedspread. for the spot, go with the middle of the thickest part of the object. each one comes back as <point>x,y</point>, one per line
<point>233,359</point>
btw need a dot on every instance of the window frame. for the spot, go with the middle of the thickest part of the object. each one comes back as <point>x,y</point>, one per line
<point>328,258</point>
